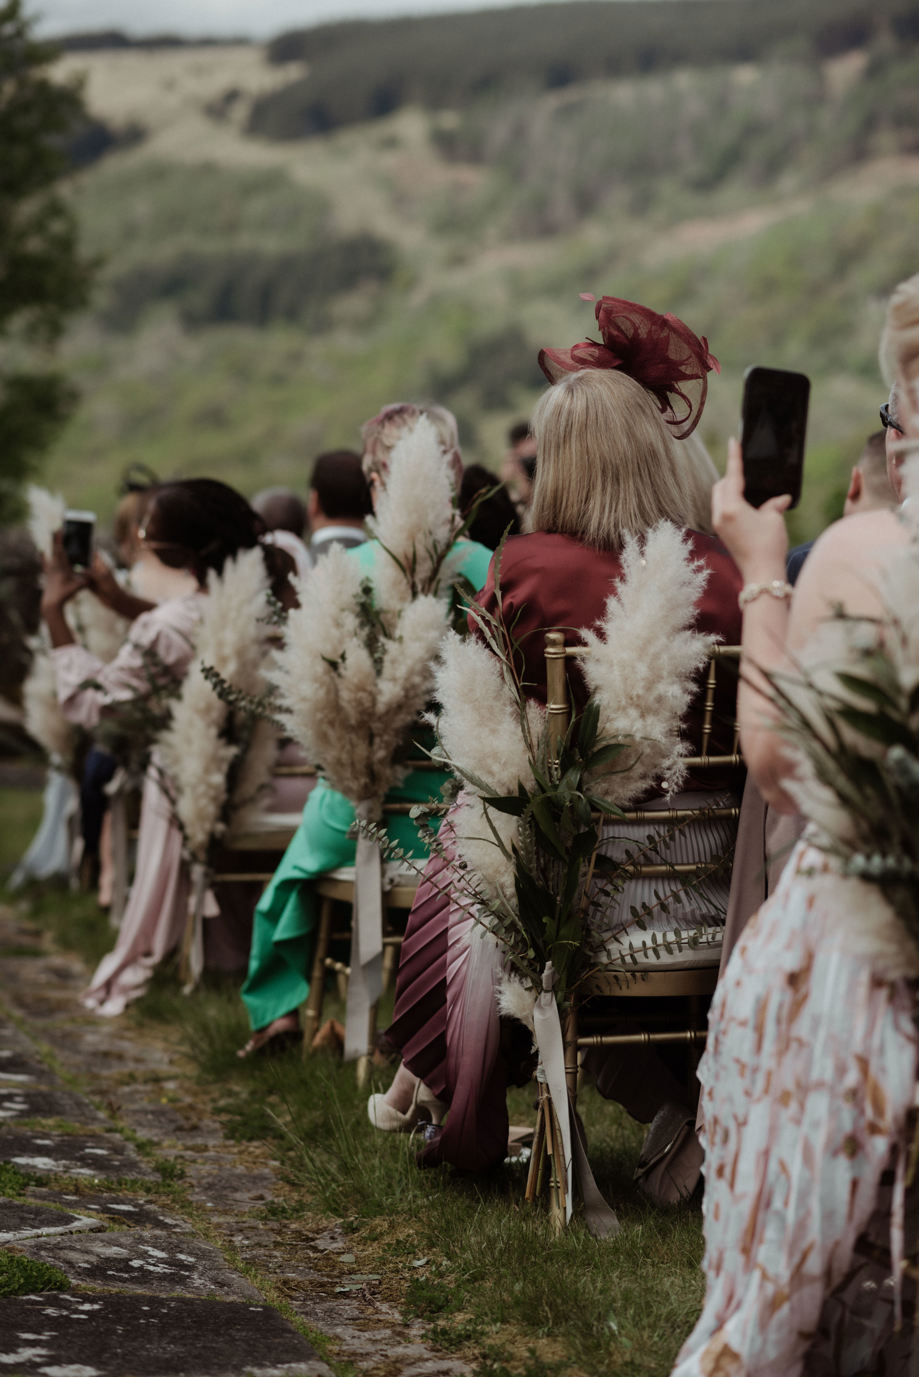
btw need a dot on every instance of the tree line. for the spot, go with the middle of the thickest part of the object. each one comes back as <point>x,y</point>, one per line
<point>364,70</point>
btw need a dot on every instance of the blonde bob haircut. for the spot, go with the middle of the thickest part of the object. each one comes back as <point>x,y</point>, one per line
<point>382,433</point>
<point>606,464</point>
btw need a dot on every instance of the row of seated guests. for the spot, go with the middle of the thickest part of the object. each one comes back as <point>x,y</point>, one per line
<point>189,529</point>
<point>178,533</point>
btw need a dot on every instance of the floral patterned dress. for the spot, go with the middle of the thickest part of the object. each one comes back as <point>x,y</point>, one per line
<point>808,1080</point>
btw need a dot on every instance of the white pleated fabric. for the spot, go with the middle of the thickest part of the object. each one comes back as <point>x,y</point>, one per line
<point>807,1081</point>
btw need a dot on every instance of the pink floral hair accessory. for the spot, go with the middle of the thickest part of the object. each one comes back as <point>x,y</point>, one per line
<point>658,351</point>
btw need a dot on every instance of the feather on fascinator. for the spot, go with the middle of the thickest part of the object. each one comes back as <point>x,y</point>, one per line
<point>658,351</point>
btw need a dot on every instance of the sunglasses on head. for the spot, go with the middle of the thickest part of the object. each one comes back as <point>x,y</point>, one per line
<point>889,422</point>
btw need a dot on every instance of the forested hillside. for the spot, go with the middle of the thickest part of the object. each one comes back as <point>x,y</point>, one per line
<point>292,236</point>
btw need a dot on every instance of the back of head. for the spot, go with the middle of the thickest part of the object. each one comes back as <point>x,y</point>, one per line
<point>900,347</point>
<point>701,475</point>
<point>872,466</point>
<point>382,433</point>
<point>128,518</point>
<point>495,515</point>
<point>341,489</point>
<point>198,524</point>
<point>281,510</point>
<point>607,464</point>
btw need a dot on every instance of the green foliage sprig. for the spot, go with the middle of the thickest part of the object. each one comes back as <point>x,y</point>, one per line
<point>855,727</point>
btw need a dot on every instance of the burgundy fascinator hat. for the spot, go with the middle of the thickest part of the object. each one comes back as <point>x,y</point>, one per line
<point>658,351</point>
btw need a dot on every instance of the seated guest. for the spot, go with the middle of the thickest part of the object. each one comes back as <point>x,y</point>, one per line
<point>809,1077</point>
<point>338,502</point>
<point>284,516</point>
<point>285,918</point>
<point>608,464</point>
<point>495,516</point>
<point>190,528</point>
<point>519,465</point>
<point>869,491</point>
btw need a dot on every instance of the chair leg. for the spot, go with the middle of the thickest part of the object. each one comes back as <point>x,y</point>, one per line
<point>317,980</point>
<point>364,1062</point>
<point>390,962</point>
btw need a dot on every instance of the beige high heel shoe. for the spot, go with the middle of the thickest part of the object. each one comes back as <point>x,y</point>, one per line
<point>424,1108</point>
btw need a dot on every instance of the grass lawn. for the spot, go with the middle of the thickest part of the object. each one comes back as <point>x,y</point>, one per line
<point>20,814</point>
<point>464,1254</point>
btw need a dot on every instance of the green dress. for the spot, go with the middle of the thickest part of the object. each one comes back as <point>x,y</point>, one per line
<point>285,917</point>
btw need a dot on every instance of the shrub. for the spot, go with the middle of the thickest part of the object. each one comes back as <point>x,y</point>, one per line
<point>250,288</point>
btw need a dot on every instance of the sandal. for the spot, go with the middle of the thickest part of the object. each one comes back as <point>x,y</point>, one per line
<point>274,1038</point>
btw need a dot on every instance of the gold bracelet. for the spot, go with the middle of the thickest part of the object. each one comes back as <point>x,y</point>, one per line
<point>778,588</point>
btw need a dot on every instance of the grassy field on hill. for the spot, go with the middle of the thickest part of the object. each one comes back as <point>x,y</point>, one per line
<point>259,298</point>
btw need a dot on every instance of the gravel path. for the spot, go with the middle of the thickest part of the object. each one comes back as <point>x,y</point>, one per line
<point>124,1181</point>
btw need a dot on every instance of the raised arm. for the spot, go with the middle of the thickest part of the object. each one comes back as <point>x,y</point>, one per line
<point>778,628</point>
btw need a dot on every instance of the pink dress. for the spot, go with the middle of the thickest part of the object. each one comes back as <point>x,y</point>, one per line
<point>807,1081</point>
<point>160,641</point>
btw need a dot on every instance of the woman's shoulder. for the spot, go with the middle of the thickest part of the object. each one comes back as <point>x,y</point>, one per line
<point>863,534</point>
<point>541,548</point>
<point>843,569</point>
<point>174,617</point>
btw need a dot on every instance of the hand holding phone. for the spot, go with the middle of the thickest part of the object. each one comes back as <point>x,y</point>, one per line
<point>772,430</point>
<point>78,538</point>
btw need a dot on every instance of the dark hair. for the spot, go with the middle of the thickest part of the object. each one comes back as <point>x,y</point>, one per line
<point>281,510</point>
<point>198,524</point>
<point>495,513</point>
<point>339,483</point>
<point>520,430</point>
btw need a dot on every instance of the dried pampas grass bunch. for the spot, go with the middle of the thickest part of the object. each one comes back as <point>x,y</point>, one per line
<point>349,688</point>
<point>213,760</point>
<point>417,521</point>
<point>642,663</point>
<point>45,516</point>
<point>525,829</point>
<point>41,713</point>
<point>852,720</point>
<point>357,667</point>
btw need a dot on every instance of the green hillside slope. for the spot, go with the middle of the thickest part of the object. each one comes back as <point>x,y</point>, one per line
<point>259,297</point>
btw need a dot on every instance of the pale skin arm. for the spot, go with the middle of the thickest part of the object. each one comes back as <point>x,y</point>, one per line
<point>776,633</point>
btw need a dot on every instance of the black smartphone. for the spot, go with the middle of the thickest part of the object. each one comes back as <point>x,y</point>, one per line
<point>773,424</point>
<point>78,538</point>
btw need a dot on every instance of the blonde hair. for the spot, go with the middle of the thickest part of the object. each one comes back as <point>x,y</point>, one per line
<point>701,475</point>
<point>900,343</point>
<point>381,434</point>
<point>606,463</point>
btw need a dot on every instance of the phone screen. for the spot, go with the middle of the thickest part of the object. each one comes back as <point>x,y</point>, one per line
<point>78,538</point>
<point>772,431</point>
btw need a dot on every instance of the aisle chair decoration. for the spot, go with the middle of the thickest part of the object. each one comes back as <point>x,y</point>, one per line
<point>216,754</point>
<point>357,670</point>
<point>528,821</point>
<point>102,632</point>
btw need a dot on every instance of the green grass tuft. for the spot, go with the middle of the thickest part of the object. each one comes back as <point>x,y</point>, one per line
<point>20,1276</point>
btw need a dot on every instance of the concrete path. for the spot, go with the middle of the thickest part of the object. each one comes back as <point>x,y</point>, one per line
<point>114,1175</point>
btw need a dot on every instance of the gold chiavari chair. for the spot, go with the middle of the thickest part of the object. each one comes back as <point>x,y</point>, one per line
<point>660,990</point>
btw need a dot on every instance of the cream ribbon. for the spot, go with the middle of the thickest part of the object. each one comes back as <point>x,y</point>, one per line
<point>201,904</point>
<point>601,1221</point>
<point>117,789</point>
<point>547,1030</point>
<point>365,983</point>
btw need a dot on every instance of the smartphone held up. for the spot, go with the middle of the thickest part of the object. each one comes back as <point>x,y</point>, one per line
<point>77,536</point>
<point>772,430</point>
